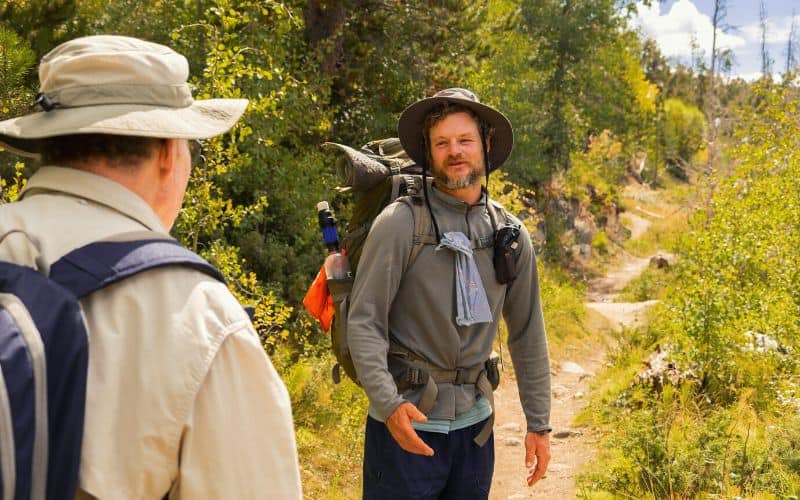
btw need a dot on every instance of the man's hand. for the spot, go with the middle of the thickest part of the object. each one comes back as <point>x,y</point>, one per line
<point>399,424</point>
<point>537,453</point>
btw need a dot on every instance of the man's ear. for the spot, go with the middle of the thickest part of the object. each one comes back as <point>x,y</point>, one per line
<point>489,134</point>
<point>167,156</point>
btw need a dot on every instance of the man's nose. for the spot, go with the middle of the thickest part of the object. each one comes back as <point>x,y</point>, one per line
<point>454,147</point>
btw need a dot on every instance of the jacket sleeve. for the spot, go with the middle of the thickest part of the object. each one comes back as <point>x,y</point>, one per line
<point>526,338</point>
<point>383,260</point>
<point>239,441</point>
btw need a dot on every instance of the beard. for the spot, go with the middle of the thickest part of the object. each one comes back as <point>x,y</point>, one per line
<point>446,181</point>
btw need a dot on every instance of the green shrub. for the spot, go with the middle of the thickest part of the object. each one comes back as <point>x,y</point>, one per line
<point>684,131</point>
<point>600,242</point>
<point>730,318</point>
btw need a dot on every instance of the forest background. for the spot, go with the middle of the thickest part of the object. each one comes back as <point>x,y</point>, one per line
<point>593,106</point>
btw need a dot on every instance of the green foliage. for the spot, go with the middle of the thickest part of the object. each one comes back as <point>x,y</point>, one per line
<point>684,131</point>
<point>600,242</point>
<point>43,24</point>
<point>650,285</point>
<point>9,190</point>
<point>381,56</point>
<point>16,62</point>
<point>329,424</point>
<point>732,319</point>
<point>596,173</point>
<point>562,304</point>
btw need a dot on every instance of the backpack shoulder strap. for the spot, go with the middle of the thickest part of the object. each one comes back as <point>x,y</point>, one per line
<point>498,214</point>
<point>103,263</point>
<point>422,226</point>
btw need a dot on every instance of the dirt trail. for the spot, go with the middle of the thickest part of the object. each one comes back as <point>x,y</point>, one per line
<point>574,368</point>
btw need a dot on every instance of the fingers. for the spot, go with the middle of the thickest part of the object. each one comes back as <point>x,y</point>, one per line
<point>399,425</point>
<point>537,456</point>
<point>537,473</point>
<point>416,415</point>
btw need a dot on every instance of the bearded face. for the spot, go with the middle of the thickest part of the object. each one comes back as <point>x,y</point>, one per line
<point>456,152</point>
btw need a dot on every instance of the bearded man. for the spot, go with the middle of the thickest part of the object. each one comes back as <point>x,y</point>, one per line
<point>421,333</point>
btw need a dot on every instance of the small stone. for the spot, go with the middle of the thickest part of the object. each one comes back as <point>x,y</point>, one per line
<point>511,441</point>
<point>566,433</point>
<point>510,427</point>
<point>578,395</point>
<point>559,390</point>
<point>572,367</point>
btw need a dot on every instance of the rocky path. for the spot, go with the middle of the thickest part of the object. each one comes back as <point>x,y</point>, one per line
<point>573,370</point>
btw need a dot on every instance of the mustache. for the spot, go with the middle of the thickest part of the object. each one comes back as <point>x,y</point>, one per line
<point>455,159</point>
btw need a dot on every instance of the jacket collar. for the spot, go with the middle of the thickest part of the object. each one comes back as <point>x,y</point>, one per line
<point>454,203</point>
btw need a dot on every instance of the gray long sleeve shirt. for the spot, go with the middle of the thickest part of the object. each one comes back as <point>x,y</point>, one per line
<point>418,307</point>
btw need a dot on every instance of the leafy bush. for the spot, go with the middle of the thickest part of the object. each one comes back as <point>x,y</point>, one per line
<point>684,131</point>
<point>595,174</point>
<point>732,319</point>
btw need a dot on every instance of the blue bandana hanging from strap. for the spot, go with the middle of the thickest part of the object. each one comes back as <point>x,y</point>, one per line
<point>472,305</point>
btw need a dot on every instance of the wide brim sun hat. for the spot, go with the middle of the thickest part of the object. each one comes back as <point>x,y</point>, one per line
<point>117,85</point>
<point>409,127</point>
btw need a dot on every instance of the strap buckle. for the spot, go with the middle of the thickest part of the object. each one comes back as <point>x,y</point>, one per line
<point>416,377</point>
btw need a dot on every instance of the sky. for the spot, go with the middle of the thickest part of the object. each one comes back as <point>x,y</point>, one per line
<point>672,23</point>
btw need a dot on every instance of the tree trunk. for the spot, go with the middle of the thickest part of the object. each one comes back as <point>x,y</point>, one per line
<point>324,20</point>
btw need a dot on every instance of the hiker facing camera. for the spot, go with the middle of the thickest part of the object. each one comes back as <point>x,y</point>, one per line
<point>420,333</point>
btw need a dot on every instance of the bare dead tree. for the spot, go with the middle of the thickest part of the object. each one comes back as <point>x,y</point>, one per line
<point>791,45</point>
<point>766,60</point>
<point>718,23</point>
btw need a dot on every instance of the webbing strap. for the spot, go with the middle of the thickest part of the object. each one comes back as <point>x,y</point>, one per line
<point>8,466</point>
<point>104,263</point>
<point>397,182</point>
<point>485,388</point>
<point>431,390</point>
<point>422,372</point>
<point>36,349</point>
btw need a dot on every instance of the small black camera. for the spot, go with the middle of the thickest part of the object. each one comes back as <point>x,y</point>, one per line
<point>505,246</point>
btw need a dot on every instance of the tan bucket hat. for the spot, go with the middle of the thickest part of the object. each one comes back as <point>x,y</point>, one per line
<point>409,127</point>
<point>120,86</point>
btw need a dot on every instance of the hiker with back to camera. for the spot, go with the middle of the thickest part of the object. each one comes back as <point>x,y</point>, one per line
<point>181,399</point>
<point>421,334</point>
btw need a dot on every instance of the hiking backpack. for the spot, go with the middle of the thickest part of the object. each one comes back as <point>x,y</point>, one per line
<point>44,355</point>
<point>378,174</point>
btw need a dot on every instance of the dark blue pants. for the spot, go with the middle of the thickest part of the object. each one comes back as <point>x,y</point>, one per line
<point>459,469</point>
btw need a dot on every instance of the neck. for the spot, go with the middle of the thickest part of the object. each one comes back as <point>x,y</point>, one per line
<point>135,178</point>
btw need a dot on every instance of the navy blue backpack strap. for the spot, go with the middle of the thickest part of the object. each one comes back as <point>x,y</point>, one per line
<point>103,263</point>
<point>39,321</point>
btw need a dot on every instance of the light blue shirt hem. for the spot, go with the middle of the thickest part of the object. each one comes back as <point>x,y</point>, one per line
<point>478,413</point>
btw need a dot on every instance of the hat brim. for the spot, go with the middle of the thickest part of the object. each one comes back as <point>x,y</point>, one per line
<point>201,120</point>
<point>409,129</point>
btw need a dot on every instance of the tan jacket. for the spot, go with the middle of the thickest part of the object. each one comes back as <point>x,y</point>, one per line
<point>181,398</point>
<point>417,306</point>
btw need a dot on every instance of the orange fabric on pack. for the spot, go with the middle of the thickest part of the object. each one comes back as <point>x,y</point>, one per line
<point>318,301</point>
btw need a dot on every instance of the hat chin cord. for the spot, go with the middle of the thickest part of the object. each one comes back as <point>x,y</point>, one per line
<point>425,188</point>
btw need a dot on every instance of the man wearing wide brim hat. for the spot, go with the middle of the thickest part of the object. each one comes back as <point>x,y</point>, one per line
<point>421,333</point>
<point>181,400</point>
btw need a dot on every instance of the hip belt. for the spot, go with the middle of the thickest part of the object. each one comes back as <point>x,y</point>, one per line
<point>420,373</point>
